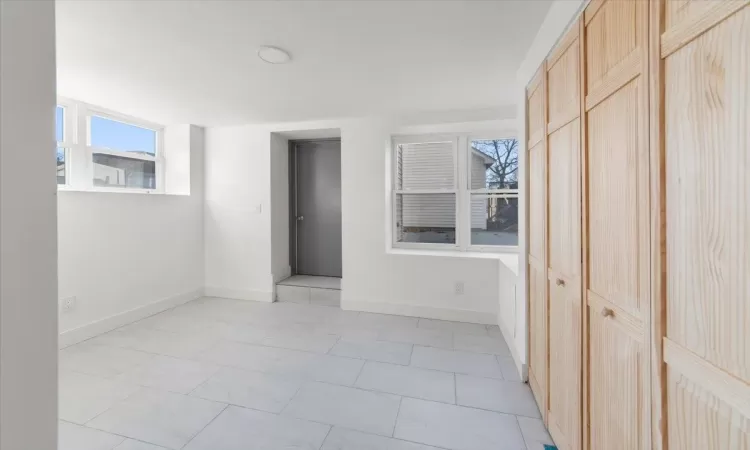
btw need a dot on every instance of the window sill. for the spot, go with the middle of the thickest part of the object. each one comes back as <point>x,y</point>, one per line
<point>509,259</point>
<point>63,188</point>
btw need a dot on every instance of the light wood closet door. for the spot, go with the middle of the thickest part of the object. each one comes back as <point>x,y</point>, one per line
<point>617,214</point>
<point>564,230</point>
<point>705,48</point>
<point>537,236</point>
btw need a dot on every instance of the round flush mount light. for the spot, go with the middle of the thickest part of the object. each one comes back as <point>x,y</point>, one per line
<point>273,55</point>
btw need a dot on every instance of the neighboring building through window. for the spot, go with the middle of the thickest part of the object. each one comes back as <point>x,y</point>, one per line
<point>438,202</point>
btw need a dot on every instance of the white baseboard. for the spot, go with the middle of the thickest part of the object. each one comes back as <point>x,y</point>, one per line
<point>508,336</point>
<point>239,294</point>
<point>110,323</point>
<point>426,312</point>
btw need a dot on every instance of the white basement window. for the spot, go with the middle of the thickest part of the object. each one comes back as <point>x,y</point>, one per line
<point>101,150</point>
<point>455,193</point>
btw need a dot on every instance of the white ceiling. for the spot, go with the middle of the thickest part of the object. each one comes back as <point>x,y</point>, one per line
<point>183,61</point>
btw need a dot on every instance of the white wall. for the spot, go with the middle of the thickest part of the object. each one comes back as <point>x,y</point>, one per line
<point>238,223</point>
<point>558,18</point>
<point>237,213</point>
<point>279,207</point>
<point>127,255</point>
<point>28,262</point>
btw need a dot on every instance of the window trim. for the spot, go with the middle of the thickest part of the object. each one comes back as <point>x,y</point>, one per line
<point>462,191</point>
<point>79,164</point>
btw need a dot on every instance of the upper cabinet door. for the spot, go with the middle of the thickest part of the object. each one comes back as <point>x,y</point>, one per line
<point>564,232</point>
<point>537,236</point>
<point>617,214</point>
<point>705,46</point>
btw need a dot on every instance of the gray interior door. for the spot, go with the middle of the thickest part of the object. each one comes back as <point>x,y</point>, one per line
<point>318,208</point>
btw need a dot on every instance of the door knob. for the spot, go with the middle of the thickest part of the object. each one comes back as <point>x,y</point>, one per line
<point>606,312</point>
<point>560,282</point>
<point>300,217</point>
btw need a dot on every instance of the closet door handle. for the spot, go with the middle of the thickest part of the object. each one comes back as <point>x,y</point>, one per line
<point>560,282</point>
<point>607,312</point>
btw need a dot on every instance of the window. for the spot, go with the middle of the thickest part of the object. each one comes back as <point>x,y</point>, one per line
<point>62,174</point>
<point>494,192</point>
<point>425,193</point>
<point>123,155</point>
<point>117,152</point>
<point>455,193</point>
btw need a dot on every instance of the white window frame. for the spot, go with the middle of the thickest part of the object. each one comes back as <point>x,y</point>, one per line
<point>69,136</point>
<point>461,189</point>
<point>77,134</point>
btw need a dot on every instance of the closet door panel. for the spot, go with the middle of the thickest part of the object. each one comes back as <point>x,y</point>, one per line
<point>706,138</point>
<point>564,248</point>
<point>618,225</point>
<point>537,237</point>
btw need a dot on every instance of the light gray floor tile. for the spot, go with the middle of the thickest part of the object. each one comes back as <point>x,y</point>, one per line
<point>250,389</point>
<point>389,352</point>
<point>162,418</point>
<point>77,437</point>
<point>457,427</point>
<point>379,321</point>
<point>408,381</point>
<point>481,344</point>
<point>177,322</point>
<point>508,368</point>
<point>290,363</point>
<point>170,374</point>
<point>456,361</point>
<point>418,336</point>
<point>245,429</point>
<point>325,297</point>
<point>301,341</point>
<point>82,397</point>
<point>100,360</point>
<point>130,444</point>
<point>534,433</point>
<point>179,345</point>
<point>343,439</point>
<point>347,407</point>
<point>292,294</point>
<point>510,397</point>
<point>453,327</point>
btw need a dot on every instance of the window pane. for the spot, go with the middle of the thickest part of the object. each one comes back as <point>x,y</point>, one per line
<point>425,166</point>
<point>120,171</point>
<point>426,218</point>
<point>494,220</point>
<point>60,165</point>
<point>59,124</point>
<point>494,164</point>
<point>114,135</point>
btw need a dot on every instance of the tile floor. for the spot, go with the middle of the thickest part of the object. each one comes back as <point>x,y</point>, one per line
<point>217,374</point>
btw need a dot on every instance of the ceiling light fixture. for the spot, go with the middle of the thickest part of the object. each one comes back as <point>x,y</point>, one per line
<point>273,55</point>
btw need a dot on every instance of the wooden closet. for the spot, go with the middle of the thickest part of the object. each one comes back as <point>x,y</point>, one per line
<point>639,227</point>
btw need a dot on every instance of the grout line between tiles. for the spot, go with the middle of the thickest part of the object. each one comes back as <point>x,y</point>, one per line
<point>206,426</point>
<point>323,442</point>
<point>395,422</point>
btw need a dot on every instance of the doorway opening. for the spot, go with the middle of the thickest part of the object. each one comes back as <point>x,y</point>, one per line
<point>314,222</point>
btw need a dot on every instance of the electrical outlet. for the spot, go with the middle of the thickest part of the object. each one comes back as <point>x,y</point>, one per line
<point>459,288</point>
<point>68,304</point>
